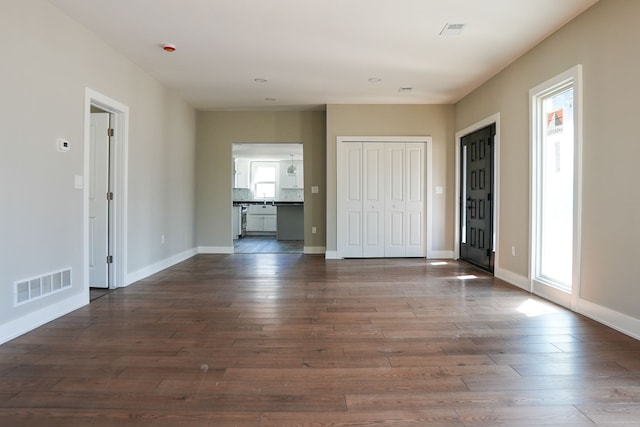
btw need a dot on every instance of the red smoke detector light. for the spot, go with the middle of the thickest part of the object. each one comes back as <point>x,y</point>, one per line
<point>169,47</point>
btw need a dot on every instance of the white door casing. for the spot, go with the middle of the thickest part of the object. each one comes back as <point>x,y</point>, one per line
<point>118,218</point>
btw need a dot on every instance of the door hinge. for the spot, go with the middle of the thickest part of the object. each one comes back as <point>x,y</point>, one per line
<point>110,195</point>
<point>109,259</point>
<point>110,132</point>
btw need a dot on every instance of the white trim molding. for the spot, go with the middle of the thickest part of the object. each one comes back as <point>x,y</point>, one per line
<point>159,266</point>
<point>514,279</point>
<point>611,318</point>
<point>119,184</point>
<point>570,78</point>
<point>33,320</point>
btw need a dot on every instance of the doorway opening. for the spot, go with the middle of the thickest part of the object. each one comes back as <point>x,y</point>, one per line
<point>105,151</point>
<point>268,198</point>
<point>556,187</point>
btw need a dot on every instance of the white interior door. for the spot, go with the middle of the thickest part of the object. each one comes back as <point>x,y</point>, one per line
<point>415,200</point>
<point>373,203</point>
<point>350,221</point>
<point>98,204</point>
<point>395,231</point>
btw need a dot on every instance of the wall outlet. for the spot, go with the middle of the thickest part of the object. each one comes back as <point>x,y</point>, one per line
<point>513,251</point>
<point>314,230</point>
<point>162,239</point>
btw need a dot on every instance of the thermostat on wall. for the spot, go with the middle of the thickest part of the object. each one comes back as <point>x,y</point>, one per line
<point>63,145</point>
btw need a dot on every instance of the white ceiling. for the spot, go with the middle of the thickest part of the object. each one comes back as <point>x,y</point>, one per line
<point>318,52</point>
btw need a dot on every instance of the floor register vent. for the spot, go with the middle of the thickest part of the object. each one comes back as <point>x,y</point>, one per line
<point>38,287</point>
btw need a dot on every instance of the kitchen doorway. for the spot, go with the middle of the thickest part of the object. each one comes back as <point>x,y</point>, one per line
<point>268,197</point>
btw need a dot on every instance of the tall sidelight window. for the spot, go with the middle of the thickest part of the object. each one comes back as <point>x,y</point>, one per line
<point>555,187</point>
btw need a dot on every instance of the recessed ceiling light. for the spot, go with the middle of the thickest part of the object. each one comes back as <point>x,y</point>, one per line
<point>259,80</point>
<point>405,89</point>
<point>452,29</point>
<point>375,80</point>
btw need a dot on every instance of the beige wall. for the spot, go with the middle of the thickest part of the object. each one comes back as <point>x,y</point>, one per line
<point>398,120</point>
<point>605,41</point>
<point>217,131</point>
<point>47,64</point>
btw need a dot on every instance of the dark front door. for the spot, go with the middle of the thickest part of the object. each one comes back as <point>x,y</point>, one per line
<point>476,204</point>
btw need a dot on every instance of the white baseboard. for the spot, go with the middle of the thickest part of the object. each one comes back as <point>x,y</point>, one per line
<point>35,319</point>
<point>158,266</point>
<point>620,322</point>
<point>314,250</point>
<point>440,255</point>
<point>331,255</point>
<point>222,250</point>
<point>517,280</point>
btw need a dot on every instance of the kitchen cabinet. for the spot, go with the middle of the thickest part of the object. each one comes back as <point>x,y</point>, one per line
<point>241,173</point>
<point>295,181</point>
<point>262,218</point>
<point>291,222</point>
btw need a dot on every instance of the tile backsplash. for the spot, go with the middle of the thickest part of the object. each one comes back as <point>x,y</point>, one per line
<point>242,194</point>
<point>291,194</point>
<point>286,195</point>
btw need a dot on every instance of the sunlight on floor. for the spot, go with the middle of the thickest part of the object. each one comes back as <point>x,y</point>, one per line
<point>533,308</point>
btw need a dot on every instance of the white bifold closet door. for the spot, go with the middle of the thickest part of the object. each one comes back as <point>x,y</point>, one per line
<point>381,192</point>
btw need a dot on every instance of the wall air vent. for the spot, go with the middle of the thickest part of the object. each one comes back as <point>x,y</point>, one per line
<point>39,287</point>
<point>452,29</point>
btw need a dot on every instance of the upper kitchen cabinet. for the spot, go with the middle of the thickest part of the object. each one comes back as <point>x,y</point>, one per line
<point>291,174</point>
<point>241,173</point>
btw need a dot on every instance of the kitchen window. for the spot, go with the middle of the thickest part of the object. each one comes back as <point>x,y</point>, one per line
<point>264,179</point>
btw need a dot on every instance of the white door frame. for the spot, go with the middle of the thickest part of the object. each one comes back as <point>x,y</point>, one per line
<point>495,118</point>
<point>118,220</point>
<point>570,300</point>
<point>427,140</point>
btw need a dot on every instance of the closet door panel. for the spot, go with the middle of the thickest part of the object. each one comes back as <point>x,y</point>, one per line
<point>395,182</point>
<point>374,203</point>
<point>350,220</point>
<point>415,200</point>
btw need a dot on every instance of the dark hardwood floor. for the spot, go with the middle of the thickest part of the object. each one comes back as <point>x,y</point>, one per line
<point>296,340</point>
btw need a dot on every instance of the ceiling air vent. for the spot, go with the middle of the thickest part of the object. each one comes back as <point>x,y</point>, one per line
<point>452,29</point>
<point>405,89</point>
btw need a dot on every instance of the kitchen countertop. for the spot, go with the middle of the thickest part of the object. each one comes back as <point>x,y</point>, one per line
<point>256,202</point>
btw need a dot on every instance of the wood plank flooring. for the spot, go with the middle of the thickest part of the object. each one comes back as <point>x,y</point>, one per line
<point>295,340</point>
